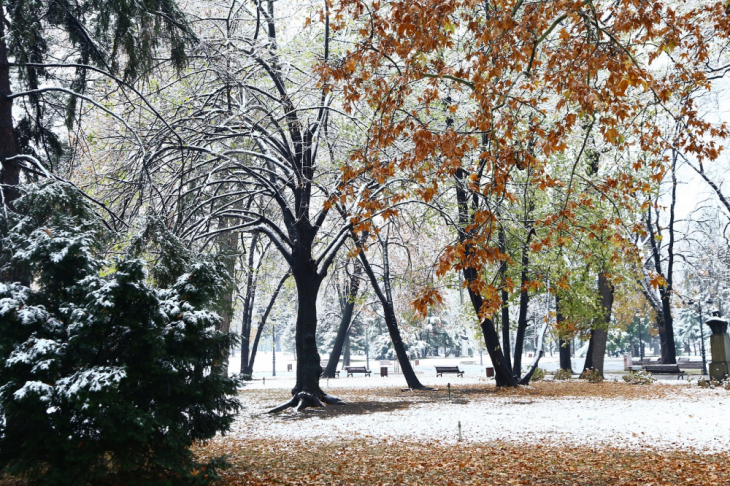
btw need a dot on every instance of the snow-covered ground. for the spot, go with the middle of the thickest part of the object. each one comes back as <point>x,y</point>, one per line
<point>681,416</point>
<point>474,367</point>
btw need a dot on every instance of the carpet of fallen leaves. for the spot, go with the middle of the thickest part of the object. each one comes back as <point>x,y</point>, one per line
<point>364,462</point>
<point>369,461</point>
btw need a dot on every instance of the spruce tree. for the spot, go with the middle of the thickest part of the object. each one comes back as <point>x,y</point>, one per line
<point>103,377</point>
<point>119,38</point>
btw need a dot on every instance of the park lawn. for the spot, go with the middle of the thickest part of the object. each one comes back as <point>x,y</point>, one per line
<point>387,436</point>
<point>368,462</point>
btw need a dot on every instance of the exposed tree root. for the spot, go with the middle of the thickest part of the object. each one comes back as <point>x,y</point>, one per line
<point>303,400</point>
<point>329,399</point>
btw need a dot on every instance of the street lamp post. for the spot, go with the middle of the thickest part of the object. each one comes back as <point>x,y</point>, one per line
<point>702,339</point>
<point>641,344</point>
<point>273,347</point>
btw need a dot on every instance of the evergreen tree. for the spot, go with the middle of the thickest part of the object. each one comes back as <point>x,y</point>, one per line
<point>102,375</point>
<point>90,34</point>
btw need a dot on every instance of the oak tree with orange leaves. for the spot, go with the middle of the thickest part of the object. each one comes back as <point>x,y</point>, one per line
<point>468,94</point>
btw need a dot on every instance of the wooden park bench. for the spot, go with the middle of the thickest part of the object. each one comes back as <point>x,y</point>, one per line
<point>357,369</point>
<point>689,365</point>
<point>440,370</point>
<point>323,363</point>
<point>664,369</point>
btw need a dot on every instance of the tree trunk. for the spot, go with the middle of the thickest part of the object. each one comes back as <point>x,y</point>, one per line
<point>563,346</point>
<point>343,330</point>
<point>522,317</point>
<point>346,357</point>
<point>248,302</point>
<point>503,374</point>
<point>666,331</point>
<point>390,320</point>
<point>10,169</point>
<point>308,360</point>
<point>228,244</point>
<point>588,363</point>
<point>505,302</point>
<point>249,367</point>
<point>600,333</point>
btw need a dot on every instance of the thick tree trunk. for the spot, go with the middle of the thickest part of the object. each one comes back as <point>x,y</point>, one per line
<point>343,330</point>
<point>563,346</point>
<point>248,370</point>
<point>306,391</point>
<point>308,360</point>
<point>391,322</point>
<point>666,331</point>
<point>10,169</point>
<point>599,335</point>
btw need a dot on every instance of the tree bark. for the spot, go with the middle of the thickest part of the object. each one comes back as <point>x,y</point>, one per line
<point>522,316</point>
<point>249,367</point>
<point>343,330</point>
<point>346,357</point>
<point>588,363</point>
<point>390,320</point>
<point>308,360</point>
<point>228,243</point>
<point>503,374</point>
<point>665,321</point>
<point>10,169</point>
<point>505,301</point>
<point>563,346</point>
<point>605,289</point>
<point>248,302</point>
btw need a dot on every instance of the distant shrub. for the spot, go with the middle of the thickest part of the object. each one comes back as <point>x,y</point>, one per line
<point>538,374</point>
<point>639,378</point>
<point>725,383</point>
<point>563,375</point>
<point>592,376</point>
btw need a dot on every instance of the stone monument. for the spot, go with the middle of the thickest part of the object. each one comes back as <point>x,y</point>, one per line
<point>720,348</point>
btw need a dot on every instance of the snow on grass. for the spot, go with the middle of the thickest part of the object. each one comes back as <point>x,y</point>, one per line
<point>573,413</point>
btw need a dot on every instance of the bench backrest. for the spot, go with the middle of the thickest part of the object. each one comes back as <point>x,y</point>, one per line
<point>447,368</point>
<point>668,367</point>
<point>355,368</point>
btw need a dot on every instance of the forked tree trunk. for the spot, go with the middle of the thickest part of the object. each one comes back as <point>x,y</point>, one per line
<point>343,330</point>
